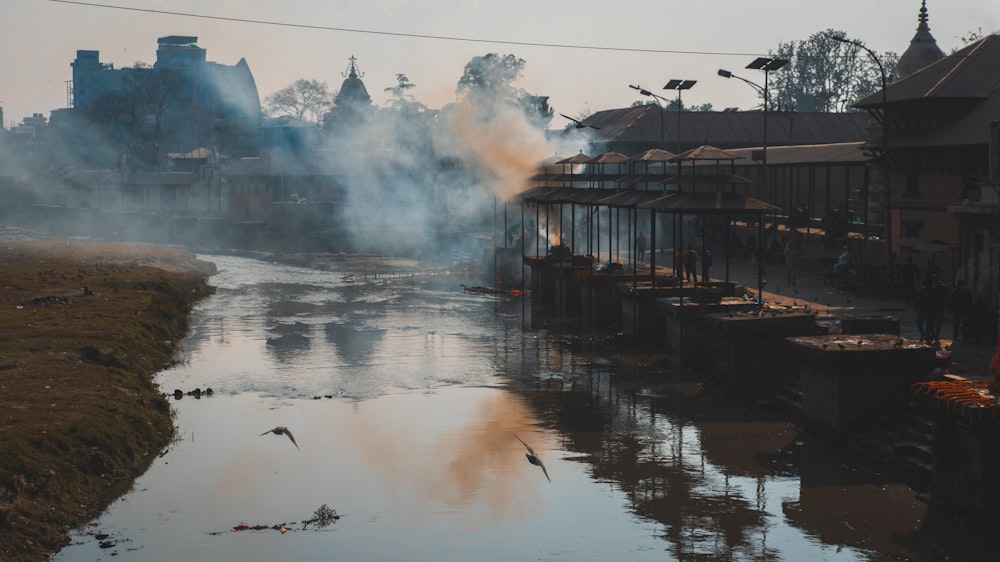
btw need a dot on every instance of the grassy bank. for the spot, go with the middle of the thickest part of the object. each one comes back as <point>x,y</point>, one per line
<point>83,329</point>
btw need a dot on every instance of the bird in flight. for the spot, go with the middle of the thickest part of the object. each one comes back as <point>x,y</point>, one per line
<point>282,430</point>
<point>533,458</point>
<point>579,124</point>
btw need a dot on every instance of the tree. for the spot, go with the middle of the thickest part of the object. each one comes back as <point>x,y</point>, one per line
<point>402,100</point>
<point>306,100</point>
<point>490,78</point>
<point>488,82</point>
<point>672,105</point>
<point>154,92</point>
<point>135,117</point>
<point>825,74</point>
<point>972,37</point>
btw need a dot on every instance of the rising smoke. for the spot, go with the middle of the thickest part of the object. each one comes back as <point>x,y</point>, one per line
<point>410,181</point>
<point>433,182</point>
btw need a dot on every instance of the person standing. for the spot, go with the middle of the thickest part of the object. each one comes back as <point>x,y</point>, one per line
<point>706,263</point>
<point>930,303</point>
<point>922,306</point>
<point>640,247</point>
<point>691,264</point>
<point>791,253</point>
<point>939,301</point>
<point>960,302</point>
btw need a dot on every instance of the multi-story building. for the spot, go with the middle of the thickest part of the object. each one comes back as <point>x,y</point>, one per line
<point>186,102</point>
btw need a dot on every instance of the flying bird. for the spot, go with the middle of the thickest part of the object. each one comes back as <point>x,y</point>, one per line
<point>533,458</point>
<point>282,430</point>
<point>579,124</point>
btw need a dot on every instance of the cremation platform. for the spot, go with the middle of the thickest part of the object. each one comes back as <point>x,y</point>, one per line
<point>850,379</point>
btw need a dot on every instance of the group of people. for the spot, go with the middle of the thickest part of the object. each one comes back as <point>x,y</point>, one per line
<point>686,264</point>
<point>930,302</point>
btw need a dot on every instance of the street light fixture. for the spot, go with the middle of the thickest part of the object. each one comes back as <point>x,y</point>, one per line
<point>885,152</point>
<point>657,99</point>
<point>767,65</point>
<point>680,86</point>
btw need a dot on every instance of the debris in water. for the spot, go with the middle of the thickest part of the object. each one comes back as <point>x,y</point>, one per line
<point>322,517</point>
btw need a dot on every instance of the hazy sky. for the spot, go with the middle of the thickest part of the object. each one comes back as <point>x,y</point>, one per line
<point>593,51</point>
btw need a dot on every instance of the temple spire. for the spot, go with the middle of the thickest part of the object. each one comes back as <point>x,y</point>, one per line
<point>352,69</point>
<point>922,18</point>
<point>923,49</point>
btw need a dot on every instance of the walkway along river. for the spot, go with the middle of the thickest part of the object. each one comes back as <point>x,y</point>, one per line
<point>406,396</point>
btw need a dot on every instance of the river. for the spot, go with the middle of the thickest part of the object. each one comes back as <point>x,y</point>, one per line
<point>406,396</point>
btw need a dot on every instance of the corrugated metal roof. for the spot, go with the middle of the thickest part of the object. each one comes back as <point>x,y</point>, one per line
<point>653,155</point>
<point>534,193</point>
<point>630,199</point>
<point>728,202</point>
<point>587,196</point>
<point>595,196</point>
<point>630,123</point>
<point>704,152</point>
<point>706,179</point>
<point>726,129</point>
<point>838,153</point>
<point>575,159</point>
<point>972,72</point>
<point>964,86</point>
<point>609,158</point>
<point>721,202</point>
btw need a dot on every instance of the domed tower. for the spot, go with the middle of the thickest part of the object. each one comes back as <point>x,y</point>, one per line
<point>353,90</point>
<point>352,106</point>
<point>923,49</point>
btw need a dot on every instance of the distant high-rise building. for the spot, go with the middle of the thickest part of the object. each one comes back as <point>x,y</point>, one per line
<point>189,100</point>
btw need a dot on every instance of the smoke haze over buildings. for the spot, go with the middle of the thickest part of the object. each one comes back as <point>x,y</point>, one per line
<point>399,180</point>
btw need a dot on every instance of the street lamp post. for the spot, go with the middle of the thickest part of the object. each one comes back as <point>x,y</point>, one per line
<point>680,86</point>
<point>657,99</point>
<point>766,65</point>
<point>885,153</point>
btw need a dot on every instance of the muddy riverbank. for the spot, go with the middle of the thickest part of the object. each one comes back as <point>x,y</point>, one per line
<point>83,328</point>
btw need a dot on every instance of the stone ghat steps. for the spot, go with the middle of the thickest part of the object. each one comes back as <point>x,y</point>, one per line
<point>787,396</point>
<point>900,446</point>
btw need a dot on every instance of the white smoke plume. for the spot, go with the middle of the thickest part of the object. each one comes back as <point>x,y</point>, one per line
<point>432,185</point>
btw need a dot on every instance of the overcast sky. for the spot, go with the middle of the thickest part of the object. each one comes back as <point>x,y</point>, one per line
<point>583,54</point>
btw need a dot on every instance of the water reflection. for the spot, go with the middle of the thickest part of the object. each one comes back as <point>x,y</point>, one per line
<point>405,397</point>
<point>353,345</point>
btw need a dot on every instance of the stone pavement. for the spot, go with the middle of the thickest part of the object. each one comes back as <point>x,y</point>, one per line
<point>830,304</point>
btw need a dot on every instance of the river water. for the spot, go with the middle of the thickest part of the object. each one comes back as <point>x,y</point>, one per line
<point>406,396</point>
